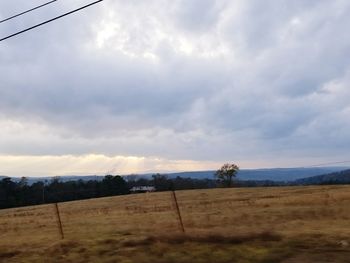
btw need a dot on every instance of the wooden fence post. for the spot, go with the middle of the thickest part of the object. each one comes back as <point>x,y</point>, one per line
<point>178,212</point>
<point>59,222</point>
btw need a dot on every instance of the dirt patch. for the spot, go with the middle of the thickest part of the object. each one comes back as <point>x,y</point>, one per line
<point>8,254</point>
<point>63,247</point>
<point>209,239</point>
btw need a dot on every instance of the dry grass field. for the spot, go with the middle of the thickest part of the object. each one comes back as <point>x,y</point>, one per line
<point>280,224</point>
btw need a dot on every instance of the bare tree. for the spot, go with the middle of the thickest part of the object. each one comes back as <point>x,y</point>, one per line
<point>227,173</point>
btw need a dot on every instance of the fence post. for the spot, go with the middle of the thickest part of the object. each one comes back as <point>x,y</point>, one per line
<point>59,222</point>
<point>178,212</point>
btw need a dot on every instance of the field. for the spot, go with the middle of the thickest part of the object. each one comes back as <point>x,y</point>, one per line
<point>279,224</point>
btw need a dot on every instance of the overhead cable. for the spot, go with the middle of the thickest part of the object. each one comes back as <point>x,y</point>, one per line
<point>27,11</point>
<point>50,20</point>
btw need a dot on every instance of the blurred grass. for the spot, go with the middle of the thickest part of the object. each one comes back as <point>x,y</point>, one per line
<point>279,224</point>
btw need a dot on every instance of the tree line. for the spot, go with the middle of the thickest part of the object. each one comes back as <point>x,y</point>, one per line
<point>15,194</point>
<point>21,193</point>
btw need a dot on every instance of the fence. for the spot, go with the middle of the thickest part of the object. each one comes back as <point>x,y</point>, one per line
<point>226,210</point>
<point>176,205</point>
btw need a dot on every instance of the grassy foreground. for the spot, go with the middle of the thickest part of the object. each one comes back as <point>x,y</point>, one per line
<point>281,224</point>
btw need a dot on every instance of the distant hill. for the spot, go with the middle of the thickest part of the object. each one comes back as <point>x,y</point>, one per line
<point>273,174</point>
<point>32,180</point>
<point>342,177</point>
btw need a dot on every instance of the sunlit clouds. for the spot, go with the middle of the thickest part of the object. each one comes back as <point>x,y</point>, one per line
<point>93,165</point>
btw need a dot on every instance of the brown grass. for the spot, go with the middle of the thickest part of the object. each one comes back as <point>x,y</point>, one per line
<point>222,225</point>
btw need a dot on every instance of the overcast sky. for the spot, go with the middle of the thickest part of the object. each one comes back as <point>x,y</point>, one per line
<point>157,85</point>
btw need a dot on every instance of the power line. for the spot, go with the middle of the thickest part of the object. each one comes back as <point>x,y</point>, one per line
<point>323,164</point>
<point>50,20</point>
<point>27,11</point>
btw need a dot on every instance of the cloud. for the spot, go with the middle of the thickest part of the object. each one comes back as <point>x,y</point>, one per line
<point>181,80</point>
<point>93,165</point>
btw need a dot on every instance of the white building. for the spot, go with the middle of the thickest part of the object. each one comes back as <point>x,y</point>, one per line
<point>142,189</point>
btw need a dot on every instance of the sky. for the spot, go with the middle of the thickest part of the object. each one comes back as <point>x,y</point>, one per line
<point>153,86</point>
